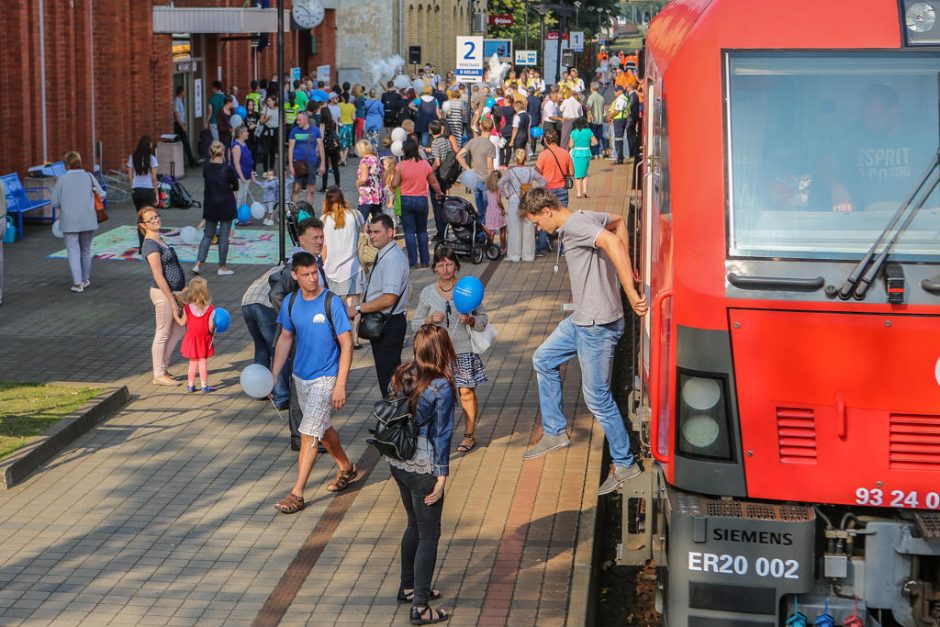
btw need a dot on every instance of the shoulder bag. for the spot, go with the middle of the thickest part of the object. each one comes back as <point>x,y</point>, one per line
<point>100,212</point>
<point>372,324</point>
<point>569,180</point>
<point>367,252</point>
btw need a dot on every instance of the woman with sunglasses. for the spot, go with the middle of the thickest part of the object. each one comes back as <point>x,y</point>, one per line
<point>436,306</point>
<point>168,280</point>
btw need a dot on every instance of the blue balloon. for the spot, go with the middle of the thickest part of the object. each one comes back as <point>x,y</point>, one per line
<point>537,132</point>
<point>490,103</point>
<point>244,213</point>
<point>241,111</point>
<point>468,294</point>
<point>223,320</point>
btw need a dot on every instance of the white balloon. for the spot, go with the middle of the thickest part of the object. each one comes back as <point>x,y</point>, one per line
<point>470,179</point>
<point>397,149</point>
<point>189,234</point>
<point>257,381</point>
<point>399,135</point>
<point>236,121</point>
<point>257,210</point>
<point>57,229</point>
<point>446,107</point>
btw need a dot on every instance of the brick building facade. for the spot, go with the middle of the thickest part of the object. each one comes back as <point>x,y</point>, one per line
<point>109,78</point>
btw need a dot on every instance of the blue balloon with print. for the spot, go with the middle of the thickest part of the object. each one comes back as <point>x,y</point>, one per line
<point>241,111</point>
<point>222,319</point>
<point>244,213</point>
<point>468,294</point>
<point>490,103</point>
<point>537,132</point>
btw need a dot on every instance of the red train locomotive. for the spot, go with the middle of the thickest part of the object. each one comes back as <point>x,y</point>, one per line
<point>789,244</point>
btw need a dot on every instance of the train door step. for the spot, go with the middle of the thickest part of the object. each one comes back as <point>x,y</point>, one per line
<point>928,523</point>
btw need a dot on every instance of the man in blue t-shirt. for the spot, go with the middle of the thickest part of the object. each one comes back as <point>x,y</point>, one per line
<point>305,144</point>
<point>322,361</point>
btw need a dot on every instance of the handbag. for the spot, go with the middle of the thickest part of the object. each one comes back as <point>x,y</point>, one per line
<point>372,324</point>
<point>100,211</point>
<point>366,251</point>
<point>396,430</point>
<point>569,180</point>
<point>482,340</point>
<point>302,168</point>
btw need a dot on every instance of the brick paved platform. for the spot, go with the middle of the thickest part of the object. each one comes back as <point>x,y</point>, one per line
<point>163,515</point>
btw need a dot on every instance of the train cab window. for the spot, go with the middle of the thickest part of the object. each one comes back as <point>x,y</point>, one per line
<point>823,149</point>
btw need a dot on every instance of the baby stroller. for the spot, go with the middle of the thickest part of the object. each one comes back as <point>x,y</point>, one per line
<point>463,233</point>
<point>297,213</point>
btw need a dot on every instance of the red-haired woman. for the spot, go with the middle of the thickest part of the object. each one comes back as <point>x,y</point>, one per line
<point>428,382</point>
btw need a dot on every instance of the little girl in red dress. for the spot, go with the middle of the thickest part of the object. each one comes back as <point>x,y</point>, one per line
<point>197,317</point>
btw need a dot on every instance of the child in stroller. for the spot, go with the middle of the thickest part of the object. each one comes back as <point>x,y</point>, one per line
<point>464,233</point>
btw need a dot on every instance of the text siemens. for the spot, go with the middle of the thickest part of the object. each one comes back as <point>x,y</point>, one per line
<point>725,564</point>
<point>752,537</point>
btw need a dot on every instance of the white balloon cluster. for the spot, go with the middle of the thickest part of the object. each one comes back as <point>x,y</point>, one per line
<point>383,70</point>
<point>498,71</point>
<point>402,81</point>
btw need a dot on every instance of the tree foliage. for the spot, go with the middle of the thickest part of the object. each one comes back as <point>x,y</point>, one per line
<point>588,17</point>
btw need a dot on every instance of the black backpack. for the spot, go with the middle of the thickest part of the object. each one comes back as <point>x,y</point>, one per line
<point>396,431</point>
<point>331,143</point>
<point>180,197</point>
<point>450,170</point>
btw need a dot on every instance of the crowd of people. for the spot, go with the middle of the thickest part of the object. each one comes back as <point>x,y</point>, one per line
<point>516,145</point>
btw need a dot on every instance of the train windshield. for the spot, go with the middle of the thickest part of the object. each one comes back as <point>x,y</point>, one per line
<point>825,146</point>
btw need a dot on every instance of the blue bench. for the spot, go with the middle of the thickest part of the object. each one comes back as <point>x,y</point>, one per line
<point>19,201</point>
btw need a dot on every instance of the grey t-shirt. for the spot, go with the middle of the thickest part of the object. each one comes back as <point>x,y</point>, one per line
<point>594,286</point>
<point>480,148</point>
<point>390,275</point>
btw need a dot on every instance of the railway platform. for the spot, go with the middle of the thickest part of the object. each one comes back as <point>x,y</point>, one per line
<point>162,515</point>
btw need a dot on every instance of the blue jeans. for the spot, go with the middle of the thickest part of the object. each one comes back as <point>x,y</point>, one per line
<point>594,346</point>
<point>479,198</point>
<point>262,322</point>
<point>414,221</point>
<point>425,138</point>
<point>223,229</point>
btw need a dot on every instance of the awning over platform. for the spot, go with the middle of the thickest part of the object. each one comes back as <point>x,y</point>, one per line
<point>187,20</point>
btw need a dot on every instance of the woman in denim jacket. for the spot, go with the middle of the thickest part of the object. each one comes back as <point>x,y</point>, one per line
<point>428,382</point>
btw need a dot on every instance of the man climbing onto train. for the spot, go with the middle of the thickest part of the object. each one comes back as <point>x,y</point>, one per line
<point>597,253</point>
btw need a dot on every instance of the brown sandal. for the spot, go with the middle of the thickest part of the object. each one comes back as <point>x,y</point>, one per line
<point>343,479</point>
<point>290,504</point>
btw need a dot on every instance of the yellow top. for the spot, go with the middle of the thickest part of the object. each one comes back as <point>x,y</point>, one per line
<point>347,112</point>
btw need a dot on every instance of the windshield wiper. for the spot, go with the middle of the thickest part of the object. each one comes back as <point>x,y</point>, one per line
<point>864,272</point>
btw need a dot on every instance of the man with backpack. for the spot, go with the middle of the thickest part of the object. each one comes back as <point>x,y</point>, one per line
<point>282,285</point>
<point>443,160</point>
<point>315,320</point>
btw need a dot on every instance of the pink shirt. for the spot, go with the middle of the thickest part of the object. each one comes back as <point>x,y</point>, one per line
<point>414,177</point>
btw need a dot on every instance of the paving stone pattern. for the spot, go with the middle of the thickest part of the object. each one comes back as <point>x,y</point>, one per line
<point>163,514</point>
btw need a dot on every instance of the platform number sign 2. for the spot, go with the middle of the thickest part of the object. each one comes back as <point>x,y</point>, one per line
<point>469,67</point>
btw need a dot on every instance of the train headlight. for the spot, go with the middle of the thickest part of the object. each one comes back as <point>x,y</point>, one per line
<point>920,17</point>
<point>703,416</point>
<point>700,393</point>
<point>920,22</point>
<point>701,431</point>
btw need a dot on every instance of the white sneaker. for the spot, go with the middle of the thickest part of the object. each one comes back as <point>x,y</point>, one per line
<point>86,284</point>
<point>268,223</point>
<point>197,269</point>
<point>224,272</point>
<point>77,288</point>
